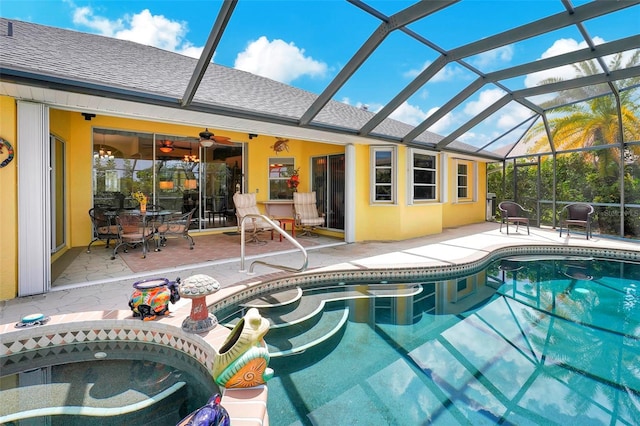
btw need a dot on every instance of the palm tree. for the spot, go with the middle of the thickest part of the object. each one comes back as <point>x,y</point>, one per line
<point>595,121</point>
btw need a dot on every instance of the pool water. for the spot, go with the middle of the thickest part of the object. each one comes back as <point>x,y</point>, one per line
<point>107,383</point>
<point>527,341</point>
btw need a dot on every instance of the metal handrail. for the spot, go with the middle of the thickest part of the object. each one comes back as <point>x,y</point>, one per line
<point>282,232</point>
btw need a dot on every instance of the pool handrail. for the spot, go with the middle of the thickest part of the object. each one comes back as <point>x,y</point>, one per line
<point>282,232</point>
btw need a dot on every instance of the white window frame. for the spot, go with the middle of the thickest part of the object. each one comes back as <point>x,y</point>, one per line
<point>393,168</point>
<point>411,176</point>
<point>466,185</point>
<point>472,181</point>
<point>289,162</point>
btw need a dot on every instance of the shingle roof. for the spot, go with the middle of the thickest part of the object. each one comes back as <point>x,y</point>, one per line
<point>84,60</point>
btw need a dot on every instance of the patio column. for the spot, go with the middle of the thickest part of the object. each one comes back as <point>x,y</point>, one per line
<point>350,193</point>
<point>34,212</point>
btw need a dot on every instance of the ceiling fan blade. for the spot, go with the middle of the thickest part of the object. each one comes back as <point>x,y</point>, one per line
<point>221,139</point>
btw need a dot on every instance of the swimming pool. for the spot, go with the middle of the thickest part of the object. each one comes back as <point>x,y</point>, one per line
<point>106,383</point>
<point>527,340</point>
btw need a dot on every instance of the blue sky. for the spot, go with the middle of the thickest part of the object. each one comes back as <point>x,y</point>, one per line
<point>305,43</point>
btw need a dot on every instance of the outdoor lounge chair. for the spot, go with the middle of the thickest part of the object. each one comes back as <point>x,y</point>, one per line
<point>306,212</point>
<point>577,215</point>
<point>512,212</point>
<point>246,205</point>
<point>104,227</point>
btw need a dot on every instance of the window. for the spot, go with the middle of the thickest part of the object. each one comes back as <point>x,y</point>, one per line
<point>423,173</point>
<point>382,173</point>
<point>463,180</point>
<point>280,170</point>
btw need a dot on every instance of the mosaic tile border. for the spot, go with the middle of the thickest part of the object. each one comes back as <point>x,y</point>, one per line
<point>49,336</point>
<point>416,273</point>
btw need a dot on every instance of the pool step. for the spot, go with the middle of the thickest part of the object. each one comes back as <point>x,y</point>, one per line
<point>297,338</point>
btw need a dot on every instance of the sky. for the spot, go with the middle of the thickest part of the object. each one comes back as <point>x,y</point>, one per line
<point>306,43</point>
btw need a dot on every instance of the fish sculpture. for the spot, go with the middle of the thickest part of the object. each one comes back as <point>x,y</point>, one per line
<point>280,145</point>
<point>242,359</point>
<point>210,414</point>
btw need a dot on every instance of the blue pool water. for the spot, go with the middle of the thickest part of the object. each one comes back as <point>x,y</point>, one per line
<point>106,383</point>
<point>524,342</point>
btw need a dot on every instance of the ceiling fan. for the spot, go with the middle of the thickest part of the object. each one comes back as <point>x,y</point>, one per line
<point>208,139</point>
<point>168,146</point>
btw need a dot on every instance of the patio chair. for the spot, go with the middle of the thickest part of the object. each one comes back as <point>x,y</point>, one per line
<point>176,225</point>
<point>104,227</point>
<point>512,212</point>
<point>306,213</point>
<point>576,215</point>
<point>132,231</point>
<point>246,205</point>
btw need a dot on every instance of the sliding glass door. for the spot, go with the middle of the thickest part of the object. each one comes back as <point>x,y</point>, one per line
<point>175,173</point>
<point>328,183</point>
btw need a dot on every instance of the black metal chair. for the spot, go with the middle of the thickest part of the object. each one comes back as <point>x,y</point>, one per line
<point>104,226</point>
<point>512,212</point>
<point>133,230</point>
<point>178,226</point>
<point>576,215</point>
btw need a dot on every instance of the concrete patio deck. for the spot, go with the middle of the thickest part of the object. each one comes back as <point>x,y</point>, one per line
<point>452,246</point>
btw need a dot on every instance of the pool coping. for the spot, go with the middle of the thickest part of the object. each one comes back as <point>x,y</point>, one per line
<point>249,406</point>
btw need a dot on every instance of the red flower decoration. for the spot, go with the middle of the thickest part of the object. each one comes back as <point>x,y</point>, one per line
<point>294,180</point>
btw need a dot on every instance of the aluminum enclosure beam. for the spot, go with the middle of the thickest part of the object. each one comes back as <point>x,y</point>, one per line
<point>400,19</point>
<point>210,47</point>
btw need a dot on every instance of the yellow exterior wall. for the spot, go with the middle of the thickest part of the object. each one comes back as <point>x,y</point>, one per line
<point>259,152</point>
<point>373,222</point>
<point>380,222</point>
<point>9,203</point>
<point>467,212</point>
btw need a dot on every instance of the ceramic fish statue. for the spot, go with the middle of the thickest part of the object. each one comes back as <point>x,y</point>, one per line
<point>280,145</point>
<point>243,358</point>
<point>210,414</point>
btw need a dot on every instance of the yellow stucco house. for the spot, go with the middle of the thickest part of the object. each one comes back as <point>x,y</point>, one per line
<point>91,119</point>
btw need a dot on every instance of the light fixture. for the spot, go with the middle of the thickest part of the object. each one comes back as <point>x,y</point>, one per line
<point>166,146</point>
<point>190,158</point>
<point>208,139</point>
<point>205,138</point>
<point>103,154</point>
<point>190,184</point>
<point>166,185</point>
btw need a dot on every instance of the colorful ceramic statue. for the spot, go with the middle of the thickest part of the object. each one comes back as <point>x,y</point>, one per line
<point>242,360</point>
<point>211,414</point>
<point>152,297</point>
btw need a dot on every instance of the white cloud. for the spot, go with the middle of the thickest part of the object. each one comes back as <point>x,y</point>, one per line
<point>448,73</point>
<point>278,60</point>
<point>566,72</point>
<point>84,16</point>
<point>409,114</point>
<point>143,27</point>
<point>492,57</point>
<point>486,98</point>
<point>443,125</point>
